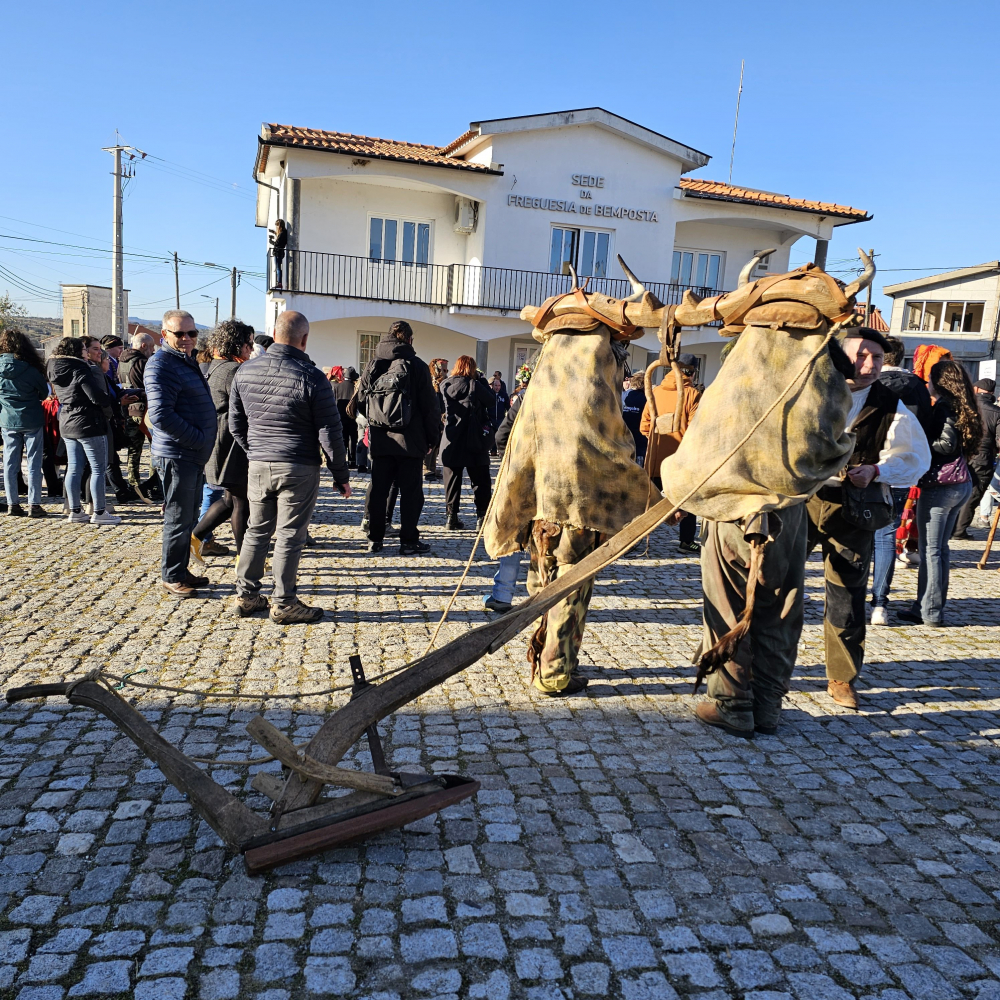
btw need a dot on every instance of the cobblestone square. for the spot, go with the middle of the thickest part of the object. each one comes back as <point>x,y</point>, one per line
<point>617,847</point>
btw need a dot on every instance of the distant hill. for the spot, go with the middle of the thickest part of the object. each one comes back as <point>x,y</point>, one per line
<point>40,328</point>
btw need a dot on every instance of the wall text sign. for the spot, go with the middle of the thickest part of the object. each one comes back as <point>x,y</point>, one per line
<point>565,205</point>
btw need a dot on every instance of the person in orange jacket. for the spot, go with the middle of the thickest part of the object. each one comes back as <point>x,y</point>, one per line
<point>665,438</point>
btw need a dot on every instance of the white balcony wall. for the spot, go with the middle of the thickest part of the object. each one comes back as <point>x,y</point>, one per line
<point>335,213</point>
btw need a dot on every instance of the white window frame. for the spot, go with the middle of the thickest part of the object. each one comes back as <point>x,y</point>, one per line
<point>943,303</point>
<point>400,222</point>
<point>580,231</point>
<point>721,254</point>
<point>362,365</point>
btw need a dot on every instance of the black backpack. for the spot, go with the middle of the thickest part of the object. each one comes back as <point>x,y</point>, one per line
<point>390,403</point>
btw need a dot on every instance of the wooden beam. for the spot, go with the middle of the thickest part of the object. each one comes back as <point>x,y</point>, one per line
<point>278,745</point>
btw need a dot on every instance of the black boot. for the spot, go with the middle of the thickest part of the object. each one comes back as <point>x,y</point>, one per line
<point>453,523</point>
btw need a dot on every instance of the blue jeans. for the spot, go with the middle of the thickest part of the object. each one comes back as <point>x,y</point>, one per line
<point>78,451</point>
<point>209,494</point>
<point>505,580</point>
<point>937,511</point>
<point>30,442</point>
<point>885,550</point>
<point>182,482</point>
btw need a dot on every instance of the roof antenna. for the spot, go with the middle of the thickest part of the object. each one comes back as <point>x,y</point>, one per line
<point>736,124</point>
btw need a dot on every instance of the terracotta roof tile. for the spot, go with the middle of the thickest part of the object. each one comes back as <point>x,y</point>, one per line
<point>370,147</point>
<point>698,188</point>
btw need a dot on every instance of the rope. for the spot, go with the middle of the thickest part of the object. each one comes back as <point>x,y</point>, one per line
<point>479,535</point>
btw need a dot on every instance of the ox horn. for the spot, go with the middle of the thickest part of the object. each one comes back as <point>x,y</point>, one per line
<point>638,288</point>
<point>864,279</point>
<point>576,280</point>
<point>751,264</point>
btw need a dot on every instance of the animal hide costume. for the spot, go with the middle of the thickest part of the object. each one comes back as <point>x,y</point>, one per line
<point>569,478</point>
<point>755,537</point>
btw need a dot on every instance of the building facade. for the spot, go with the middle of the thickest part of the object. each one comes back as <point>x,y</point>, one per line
<point>87,310</point>
<point>457,239</point>
<point>959,310</point>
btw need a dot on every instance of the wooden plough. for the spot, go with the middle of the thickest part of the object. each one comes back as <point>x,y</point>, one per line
<point>300,823</point>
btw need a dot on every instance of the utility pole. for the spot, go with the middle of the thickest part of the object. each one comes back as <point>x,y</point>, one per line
<point>177,282</point>
<point>209,297</point>
<point>868,304</point>
<point>119,321</point>
<point>233,282</point>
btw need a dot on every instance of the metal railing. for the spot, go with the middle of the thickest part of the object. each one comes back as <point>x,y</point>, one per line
<point>443,285</point>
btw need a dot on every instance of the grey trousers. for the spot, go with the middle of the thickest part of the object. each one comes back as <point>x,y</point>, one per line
<point>282,496</point>
<point>761,669</point>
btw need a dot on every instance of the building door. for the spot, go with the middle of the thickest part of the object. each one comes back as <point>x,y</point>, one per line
<point>525,352</point>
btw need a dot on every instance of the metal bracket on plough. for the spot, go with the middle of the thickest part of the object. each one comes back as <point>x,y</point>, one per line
<point>299,825</point>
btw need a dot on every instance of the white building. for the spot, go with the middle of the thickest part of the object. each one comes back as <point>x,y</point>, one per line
<point>457,239</point>
<point>87,310</point>
<point>957,309</point>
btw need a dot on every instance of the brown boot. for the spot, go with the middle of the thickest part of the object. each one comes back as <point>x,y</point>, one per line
<point>843,693</point>
<point>708,712</point>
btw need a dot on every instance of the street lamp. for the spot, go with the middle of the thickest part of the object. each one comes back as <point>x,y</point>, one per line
<point>209,297</point>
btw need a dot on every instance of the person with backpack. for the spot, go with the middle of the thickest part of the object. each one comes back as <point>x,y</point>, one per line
<point>469,404</point>
<point>397,397</point>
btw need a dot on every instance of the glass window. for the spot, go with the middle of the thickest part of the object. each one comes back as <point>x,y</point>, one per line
<point>912,313</point>
<point>74,326</point>
<point>423,242</point>
<point>594,251</point>
<point>714,263</point>
<point>562,252</point>
<point>601,255</point>
<point>587,254</point>
<point>367,342</point>
<point>701,268</point>
<point>389,242</point>
<point>409,238</point>
<point>375,239</point>
<point>932,316</point>
<point>953,312</point>
<point>973,321</point>
<point>687,260</point>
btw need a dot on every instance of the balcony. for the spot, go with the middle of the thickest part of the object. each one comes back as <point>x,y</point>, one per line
<point>444,286</point>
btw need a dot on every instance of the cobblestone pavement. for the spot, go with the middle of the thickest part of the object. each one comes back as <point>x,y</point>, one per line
<point>616,849</point>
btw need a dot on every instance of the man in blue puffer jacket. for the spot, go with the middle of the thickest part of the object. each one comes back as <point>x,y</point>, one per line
<point>183,422</point>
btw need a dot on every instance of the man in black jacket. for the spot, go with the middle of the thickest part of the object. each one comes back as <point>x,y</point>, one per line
<point>398,452</point>
<point>982,464</point>
<point>282,412</point>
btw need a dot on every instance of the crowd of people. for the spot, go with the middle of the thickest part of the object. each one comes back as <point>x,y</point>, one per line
<point>238,432</point>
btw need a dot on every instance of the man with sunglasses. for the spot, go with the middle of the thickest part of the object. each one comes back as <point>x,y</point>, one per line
<point>183,423</point>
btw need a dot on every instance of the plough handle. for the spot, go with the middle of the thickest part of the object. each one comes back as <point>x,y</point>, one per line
<point>35,691</point>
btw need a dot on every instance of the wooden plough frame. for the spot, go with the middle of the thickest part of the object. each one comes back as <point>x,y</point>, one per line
<point>299,825</point>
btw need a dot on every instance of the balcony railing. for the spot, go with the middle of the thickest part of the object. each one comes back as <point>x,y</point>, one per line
<point>443,285</point>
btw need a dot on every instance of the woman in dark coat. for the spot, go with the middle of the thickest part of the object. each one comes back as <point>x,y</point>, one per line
<point>954,432</point>
<point>469,404</point>
<point>83,400</point>
<point>228,466</point>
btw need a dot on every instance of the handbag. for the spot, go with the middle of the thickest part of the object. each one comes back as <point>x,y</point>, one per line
<point>954,472</point>
<point>867,506</point>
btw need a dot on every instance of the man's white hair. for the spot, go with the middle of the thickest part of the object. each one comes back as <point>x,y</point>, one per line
<point>140,340</point>
<point>176,314</point>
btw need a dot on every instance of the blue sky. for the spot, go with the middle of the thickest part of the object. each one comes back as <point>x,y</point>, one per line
<point>889,106</point>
